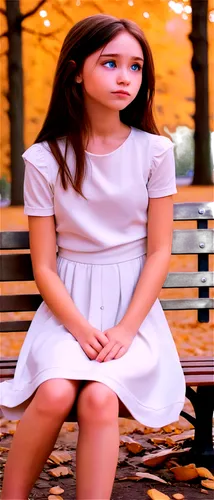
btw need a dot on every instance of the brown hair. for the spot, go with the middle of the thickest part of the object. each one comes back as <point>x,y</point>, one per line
<point>66,115</point>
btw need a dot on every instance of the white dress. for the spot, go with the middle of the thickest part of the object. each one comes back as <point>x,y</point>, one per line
<point>101,252</point>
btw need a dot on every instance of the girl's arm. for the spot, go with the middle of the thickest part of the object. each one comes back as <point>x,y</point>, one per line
<point>155,270</point>
<point>52,289</point>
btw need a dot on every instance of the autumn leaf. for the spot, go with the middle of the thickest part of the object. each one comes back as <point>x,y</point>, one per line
<point>178,496</point>
<point>185,473</point>
<point>147,475</point>
<point>59,456</point>
<point>56,490</point>
<point>203,472</point>
<point>157,495</point>
<point>207,483</point>
<point>60,471</point>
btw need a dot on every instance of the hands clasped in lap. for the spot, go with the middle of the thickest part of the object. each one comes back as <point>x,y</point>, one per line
<point>106,346</point>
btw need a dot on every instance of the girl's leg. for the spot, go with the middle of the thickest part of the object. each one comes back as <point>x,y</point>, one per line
<point>98,443</point>
<point>35,436</point>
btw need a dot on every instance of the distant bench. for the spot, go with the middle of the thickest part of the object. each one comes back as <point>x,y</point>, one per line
<point>198,370</point>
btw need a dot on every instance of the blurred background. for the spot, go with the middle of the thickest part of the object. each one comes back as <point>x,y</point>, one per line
<point>181,36</point>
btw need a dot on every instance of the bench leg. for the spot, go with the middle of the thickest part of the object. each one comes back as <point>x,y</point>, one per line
<point>203,404</point>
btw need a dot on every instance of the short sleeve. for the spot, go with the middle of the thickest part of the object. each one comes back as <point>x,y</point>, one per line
<point>38,191</point>
<point>162,177</point>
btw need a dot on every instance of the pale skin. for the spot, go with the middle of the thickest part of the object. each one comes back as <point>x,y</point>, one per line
<point>97,405</point>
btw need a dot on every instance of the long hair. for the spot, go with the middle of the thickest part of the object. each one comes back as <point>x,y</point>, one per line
<point>67,116</point>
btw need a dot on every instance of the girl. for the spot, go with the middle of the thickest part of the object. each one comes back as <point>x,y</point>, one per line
<point>99,181</point>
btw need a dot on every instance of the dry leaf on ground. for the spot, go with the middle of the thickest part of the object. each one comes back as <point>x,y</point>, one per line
<point>60,471</point>
<point>157,495</point>
<point>207,483</point>
<point>154,459</point>
<point>131,444</point>
<point>203,472</point>
<point>178,496</point>
<point>185,473</point>
<point>204,491</point>
<point>147,475</point>
<point>54,497</point>
<point>59,457</point>
<point>56,490</point>
<point>129,478</point>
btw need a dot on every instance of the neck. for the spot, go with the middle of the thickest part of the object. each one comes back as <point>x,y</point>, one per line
<point>104,122</point>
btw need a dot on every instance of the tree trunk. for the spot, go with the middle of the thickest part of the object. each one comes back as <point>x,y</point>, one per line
<point>199,63</point>
<point>15,97</point>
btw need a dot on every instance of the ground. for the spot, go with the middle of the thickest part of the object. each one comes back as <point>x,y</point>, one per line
<point>129,463</point>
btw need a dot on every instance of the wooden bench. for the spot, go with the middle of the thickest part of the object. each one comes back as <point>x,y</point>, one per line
<point>198,370</point>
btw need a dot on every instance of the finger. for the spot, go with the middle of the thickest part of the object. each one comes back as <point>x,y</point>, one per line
<point>121,352</point>
<point>91,353</point>
<point>114,351</point>
<point>105,351</point>
<point>96,345</point>
<point>101,337</point>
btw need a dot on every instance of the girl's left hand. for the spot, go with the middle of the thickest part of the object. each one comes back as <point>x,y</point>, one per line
<point>120,340</point>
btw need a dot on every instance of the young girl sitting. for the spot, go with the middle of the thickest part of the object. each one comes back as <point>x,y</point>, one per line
<point>99,181</point>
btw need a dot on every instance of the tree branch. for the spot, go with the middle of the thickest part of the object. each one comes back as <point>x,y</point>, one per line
<point>5,33</point>
<point>45,35</point>
<point>93,4</point>
<point>47,51</point>
<point>32,11</point>
<point>61,11</point>
<point>3,11</point>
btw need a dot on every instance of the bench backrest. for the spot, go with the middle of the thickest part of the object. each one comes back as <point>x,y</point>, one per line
<point>17,266</point>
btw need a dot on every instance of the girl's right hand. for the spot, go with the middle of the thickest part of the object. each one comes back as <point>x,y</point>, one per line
<point>92,341</point>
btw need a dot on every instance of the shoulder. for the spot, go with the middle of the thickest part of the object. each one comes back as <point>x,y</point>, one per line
<point>155,144</point>
<point>40,156</point>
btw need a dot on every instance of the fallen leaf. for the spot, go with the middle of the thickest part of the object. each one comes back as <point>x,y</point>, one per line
<point>178,496</point>
<point>169,428</point>
<point>54,497</point>
<point>147,475</point>
<point>172,440</point>
<point>131,444</point>
<point>3,448</point>
<point>59,457</point>
<point>56,490</point>
<point>61,471</point>
<point>204,491</point>
<point>203,472</point>
<point>130,478</point>
<point>157,495</point>
<point>207,483</point>
<point>158,440</point>
<point>154,459</point>
<point>185,473</point>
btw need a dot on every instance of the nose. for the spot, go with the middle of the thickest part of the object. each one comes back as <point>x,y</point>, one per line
<point>123,76</point>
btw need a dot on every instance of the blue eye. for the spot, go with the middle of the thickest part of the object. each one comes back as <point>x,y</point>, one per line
<point>137,65</point>
<point>109,62</point>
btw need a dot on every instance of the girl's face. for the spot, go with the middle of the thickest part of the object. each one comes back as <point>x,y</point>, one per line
<point>116,67</point>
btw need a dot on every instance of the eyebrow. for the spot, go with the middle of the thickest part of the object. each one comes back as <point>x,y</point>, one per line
<point>118,55</point>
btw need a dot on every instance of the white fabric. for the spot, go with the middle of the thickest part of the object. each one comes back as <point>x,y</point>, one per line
<point>102,251</point>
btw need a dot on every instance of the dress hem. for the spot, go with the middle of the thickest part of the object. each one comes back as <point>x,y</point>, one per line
<point>147,416</point>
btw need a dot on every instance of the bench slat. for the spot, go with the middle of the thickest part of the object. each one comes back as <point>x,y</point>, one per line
<point>188,241</point>
<point>199,369</point>
<point>16,267</point>
<point>190,211</point>
<point>31,302</point>
<point>19,268</point>
<point>198,380</point>
<point>14,326</point>
<point>184,241</point>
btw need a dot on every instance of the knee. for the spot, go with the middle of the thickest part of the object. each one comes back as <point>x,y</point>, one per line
<point>55,397</point>
<point>97,403</point>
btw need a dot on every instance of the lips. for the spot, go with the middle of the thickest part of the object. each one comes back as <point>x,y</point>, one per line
<point>121,92</point>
